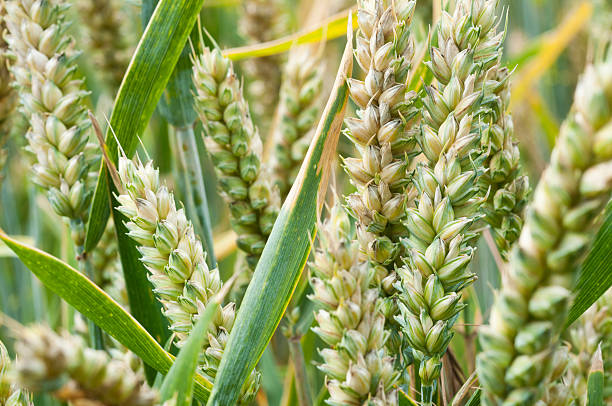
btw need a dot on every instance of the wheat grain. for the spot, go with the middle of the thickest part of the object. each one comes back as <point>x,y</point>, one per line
<point>357,365</point>
<point>174,257</point>
<point>532,305</point>
<point>236,149</point>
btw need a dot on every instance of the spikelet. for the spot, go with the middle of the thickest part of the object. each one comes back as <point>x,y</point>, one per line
<point>106,38</point>
<point>357,365</point>
<point>383,131</point>
<point>64,365</point>
<point>299,110</point>
<point>261,21</point>
<point>439,245</point>
<point>532,305</point>
<point>236,149</point>
<point>52,99</point>
<point>175,259</point>
<point>10,395</point>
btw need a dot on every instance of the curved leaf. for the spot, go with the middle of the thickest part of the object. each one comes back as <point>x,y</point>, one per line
<point>286,251</point>
<point>333,27</point>
<point>93,303</point>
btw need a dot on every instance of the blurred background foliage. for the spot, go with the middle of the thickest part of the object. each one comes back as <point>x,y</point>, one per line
<point>547,46</point>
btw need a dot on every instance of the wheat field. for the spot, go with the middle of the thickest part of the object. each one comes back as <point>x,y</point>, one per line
<point>305,202</point>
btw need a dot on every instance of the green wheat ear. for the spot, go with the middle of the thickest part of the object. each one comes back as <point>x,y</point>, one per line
<point>175,259</point>
<point>53,100</point>
<point>236,150</point>
<point>531,308</point>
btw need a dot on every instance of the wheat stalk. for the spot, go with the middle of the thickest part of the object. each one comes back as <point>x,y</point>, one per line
<point>357,365</point>
<point>236,150</point>
<point>532,305</point>
<point>174,257</point>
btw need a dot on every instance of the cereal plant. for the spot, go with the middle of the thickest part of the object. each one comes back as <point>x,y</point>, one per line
<point>277,203</point>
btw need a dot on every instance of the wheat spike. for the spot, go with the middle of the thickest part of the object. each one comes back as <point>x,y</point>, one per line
<point>74,373</point>
<point>175,259</point>
<point>106,39</point>
<point>355,361</point>
<point>52,98</point>
<point>531,307</point>
<point>440,242</point>
<point>236,150</point>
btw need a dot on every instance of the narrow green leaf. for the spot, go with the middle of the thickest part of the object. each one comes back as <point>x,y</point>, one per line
<point>595,382</point>
<point>93,303</point>
<point>285,254</point>
<point>596,274</point>
<point>179,380</point>
<point>148,73</point>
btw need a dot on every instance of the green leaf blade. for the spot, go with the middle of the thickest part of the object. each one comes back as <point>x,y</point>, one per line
<point>595,382</point>
<point>596,273</point>
<point>286,251</point>
<point>180,379</point>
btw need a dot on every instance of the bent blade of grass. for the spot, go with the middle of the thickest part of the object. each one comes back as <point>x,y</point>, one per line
<point>595,277</point>
<point>179,381</point>
<point>333,27</point>
<point>95,304</point>
<point>286,251</point>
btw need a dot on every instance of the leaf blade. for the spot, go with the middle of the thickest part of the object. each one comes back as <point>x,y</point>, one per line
<point>179,379</point>
<point>595,277</point>
<point>286,251</point>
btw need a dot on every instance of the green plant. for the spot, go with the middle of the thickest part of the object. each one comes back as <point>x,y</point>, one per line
<point>384,250</point>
